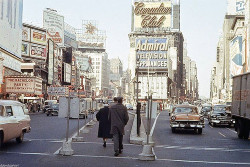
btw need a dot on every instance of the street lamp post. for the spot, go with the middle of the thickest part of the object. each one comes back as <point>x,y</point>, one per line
<point>138,105</point>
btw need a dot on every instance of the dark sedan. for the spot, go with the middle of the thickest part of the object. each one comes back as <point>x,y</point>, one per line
<point>53,110</point>
<point>221,115</point>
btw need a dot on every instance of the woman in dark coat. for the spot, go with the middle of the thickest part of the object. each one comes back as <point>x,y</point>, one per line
<point>104,124</point>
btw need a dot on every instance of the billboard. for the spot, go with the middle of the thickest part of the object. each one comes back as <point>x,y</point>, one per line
<point>26,34</point>
<point>38,51</point>
<point>23,84</point>
<point>38,37</point>
<point>11,26</point>
<point>25,48</point>
<point>51,61</point>
<point>236,56</point>
<point>152,53</point>
<point>54,23</point>
<point>67,72</point>
<point>152,15</point>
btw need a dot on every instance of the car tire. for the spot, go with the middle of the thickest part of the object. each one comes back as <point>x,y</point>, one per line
<point>213,124</point>
<point>47,114</point>
<point>199,130</point>
<point>173,130</point>
<point>1,139</point>
<point>20,138</point>
<point>240,129</point>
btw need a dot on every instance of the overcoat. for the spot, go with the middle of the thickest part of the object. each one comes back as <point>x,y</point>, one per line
<point>104,123</point>
<point>119,117</point>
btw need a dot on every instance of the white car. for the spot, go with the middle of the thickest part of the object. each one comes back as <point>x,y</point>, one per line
<point>13,121</point>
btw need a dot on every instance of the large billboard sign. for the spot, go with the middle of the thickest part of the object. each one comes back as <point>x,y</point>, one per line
<point>54,23</point>
<point>24,84</point>
<point>11,12</point>
<point>152,15</point>
<point>236,56</point>
<point>152,53</point>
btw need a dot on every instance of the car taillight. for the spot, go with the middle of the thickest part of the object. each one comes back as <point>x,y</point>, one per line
<point>173,118</point>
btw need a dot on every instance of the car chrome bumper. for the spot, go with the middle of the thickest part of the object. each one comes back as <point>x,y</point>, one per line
<point>222,121</point>
<point>186,126</point>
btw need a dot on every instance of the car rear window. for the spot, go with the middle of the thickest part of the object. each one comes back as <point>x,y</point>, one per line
<point>185,110</point>
<point>17,110</point>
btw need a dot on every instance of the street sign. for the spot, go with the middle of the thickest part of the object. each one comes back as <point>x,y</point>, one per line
<point>58,91</point>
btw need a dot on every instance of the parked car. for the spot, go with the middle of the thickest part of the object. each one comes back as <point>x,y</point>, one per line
<point>129,106</point>
<point>205,110</point>
<point>53,110</point>
<point>221,115</point>
<point>186,117</point>
<point>13,121</point>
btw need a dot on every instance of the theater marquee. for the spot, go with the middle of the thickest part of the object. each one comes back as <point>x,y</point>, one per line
<point>152,14</point>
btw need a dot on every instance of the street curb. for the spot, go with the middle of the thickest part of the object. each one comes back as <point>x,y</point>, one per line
<point>134,139</point>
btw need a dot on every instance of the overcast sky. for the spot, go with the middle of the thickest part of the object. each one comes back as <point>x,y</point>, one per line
<point>201,24</point>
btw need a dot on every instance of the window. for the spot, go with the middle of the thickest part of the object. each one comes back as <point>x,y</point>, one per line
<point>18,110</point>
<point>9,110</point>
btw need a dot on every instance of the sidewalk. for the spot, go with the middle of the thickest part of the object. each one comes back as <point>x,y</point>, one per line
<point>92,146</point>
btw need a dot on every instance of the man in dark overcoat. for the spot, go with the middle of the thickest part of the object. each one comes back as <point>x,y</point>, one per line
<point>119,118</point>
<point>104,124</point>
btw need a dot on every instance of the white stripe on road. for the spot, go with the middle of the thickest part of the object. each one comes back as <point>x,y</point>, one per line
<point>205,162</point>
<point>203,148</point>
<point>153,127</point>
<point>134,158</point>
<point>107,143</point>
<point>221,134</point>
<point>211,126</point>
<point>231,130</point>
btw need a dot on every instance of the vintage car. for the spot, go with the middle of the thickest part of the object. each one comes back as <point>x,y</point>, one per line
<point>13,121</point>
<point>53,110</point>
<point>221,115</point>
<point>186,117</point>
<point>206,109</point>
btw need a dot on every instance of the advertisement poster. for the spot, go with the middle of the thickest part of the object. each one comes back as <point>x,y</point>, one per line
<point>26,34</point>
<point>38,51</point>
<point>236,56</point>
<point>54,23</point>
<point>25,48</point>
<point>38,37</point>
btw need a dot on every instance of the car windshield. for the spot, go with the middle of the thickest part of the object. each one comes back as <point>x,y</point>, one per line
<point>55,106</point>
<point>207,108</point>
<point>219,109</point>
<point>184,110</point>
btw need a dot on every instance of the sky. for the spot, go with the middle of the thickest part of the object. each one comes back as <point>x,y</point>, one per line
<point>201,24</point>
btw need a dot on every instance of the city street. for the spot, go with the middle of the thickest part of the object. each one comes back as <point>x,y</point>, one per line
<point>218,146</point>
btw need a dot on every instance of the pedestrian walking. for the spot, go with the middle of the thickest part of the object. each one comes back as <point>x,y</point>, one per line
<point>104,124</point>
<point>119,119</point>
<point>113,103</point>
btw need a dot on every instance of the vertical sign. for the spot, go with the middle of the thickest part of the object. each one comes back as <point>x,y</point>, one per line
<point>51,62</point>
